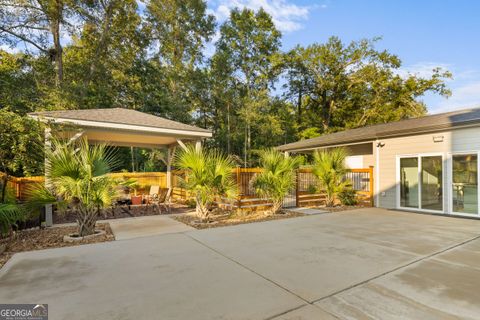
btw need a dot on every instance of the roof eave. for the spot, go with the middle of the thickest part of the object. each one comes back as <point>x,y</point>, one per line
<point>129,127</point>
<point>300,145</point>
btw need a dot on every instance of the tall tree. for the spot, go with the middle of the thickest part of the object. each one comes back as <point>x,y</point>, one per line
<point>38,25</point>
<point>101,61</point>
<point>21,147</point>
<point>248,43</point>
<point>19,92</point>
<point>179,30</point>
<point>338,86</point>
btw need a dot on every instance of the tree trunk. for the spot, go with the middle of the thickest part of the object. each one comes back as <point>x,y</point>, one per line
<point>4,188</point>
<point>55,29</point>
<point>228,128</point>
<point>299,107</point>
<point>276,205</point>
<point>201,209</point>
<point>86,219</point>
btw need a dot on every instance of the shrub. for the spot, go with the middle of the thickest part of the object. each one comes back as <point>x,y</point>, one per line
<point>277,178</point>
<point>329,167</point>
<point>77,178</point>
<point>348,197</point>
<point>208,175</point>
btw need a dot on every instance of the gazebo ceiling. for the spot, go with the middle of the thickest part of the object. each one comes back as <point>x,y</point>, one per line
<point>124,127</point>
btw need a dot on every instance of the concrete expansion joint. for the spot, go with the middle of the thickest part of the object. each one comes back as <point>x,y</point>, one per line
<point>265,278</point>
<point>400,267</point>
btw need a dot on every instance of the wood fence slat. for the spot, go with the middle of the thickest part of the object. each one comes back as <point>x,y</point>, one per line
<point>304,193</point>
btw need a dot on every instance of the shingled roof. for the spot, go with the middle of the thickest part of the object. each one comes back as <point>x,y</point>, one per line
<point>119,116</point>
<point>426,124</point>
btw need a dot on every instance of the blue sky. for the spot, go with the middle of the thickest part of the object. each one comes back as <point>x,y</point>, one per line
<point>424,34</point>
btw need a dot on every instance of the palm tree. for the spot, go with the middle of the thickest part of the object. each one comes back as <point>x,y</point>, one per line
<point>10,214</point>
<point>329,167</point>
<point>208,175</point>
<point>277,178</point>
<point>76,175</point>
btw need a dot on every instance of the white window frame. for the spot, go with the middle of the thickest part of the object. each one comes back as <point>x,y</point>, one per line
<point>450,182</point>
<point>419,159</point>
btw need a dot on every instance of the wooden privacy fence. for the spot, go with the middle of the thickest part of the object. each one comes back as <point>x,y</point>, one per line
<point>143,182</point>
<point>305,193</point>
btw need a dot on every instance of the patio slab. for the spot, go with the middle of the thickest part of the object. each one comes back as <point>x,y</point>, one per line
<point>431,289</point>
<point>130,228</point>
<point>362,264</point>
<point>308,312</point>
<point>160,277</point>
<point>308,211</point>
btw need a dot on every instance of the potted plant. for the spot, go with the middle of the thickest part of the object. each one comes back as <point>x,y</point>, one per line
<point>136,199</point>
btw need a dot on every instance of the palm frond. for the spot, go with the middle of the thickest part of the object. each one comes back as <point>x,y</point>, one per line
<point>278,175</point>
<point>208,174</point>
<point>10,214</point>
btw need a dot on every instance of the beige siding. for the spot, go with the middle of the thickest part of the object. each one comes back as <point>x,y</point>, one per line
<point>368,160</point>
<point>459,140</point>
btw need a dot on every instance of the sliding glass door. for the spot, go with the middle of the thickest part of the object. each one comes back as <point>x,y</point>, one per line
<point>421,182</point>
<point>432,183</point>
<point>465,183</point>
<point>409,182</point>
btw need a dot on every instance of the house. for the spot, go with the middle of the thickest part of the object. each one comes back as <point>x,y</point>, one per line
<point>427,164</point>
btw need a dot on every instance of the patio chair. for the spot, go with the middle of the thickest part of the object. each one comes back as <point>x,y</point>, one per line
<point>152,195</point>
<point>163,200</point>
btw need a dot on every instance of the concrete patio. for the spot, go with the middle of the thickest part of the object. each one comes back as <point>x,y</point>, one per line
<point>137,227</point>
<point>361,264</point>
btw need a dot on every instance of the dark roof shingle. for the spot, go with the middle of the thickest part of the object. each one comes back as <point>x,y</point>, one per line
<point>425,124</point>
<point>119,116</point>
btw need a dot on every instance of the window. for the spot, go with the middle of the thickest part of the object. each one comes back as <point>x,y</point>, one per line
<point>465,184</point>
<point>421,182</point>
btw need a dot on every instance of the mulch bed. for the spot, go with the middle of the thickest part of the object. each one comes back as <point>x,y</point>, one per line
<point>120,212</point>
<point>38,239</point>
<point>233,218</point>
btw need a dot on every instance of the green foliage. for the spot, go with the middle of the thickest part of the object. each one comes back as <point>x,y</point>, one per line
<point>277,178</point>
<point>336,85</point>
<point>10,215</point>
<point>153,60</point>
<point>244,54</point>
<point>208,175</point>
<point>21,147</point>
<point>329,168</point>
<point>348,197</point>
<point>76,176</point>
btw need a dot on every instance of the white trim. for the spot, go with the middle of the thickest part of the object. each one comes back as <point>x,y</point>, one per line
<point>100,124</point>
<point>393,136</point>
<point>181,144</point>
<point>330,146</point>
<point>419,157</point>
<point>450,183</point>
<point>377,174</point>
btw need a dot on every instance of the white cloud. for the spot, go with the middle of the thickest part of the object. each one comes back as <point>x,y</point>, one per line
<point>9,49</point>
<point>287,16</point>
<point>466,95</point>
<point>465,86</point>
<point>421,69</point>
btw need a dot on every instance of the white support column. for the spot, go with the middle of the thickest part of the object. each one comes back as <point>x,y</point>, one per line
<point>198,145</point>
<point>181,144</point>
<point>170,155</point>
<point>48,207</point>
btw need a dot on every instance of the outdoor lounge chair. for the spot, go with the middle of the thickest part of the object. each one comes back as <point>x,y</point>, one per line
<point>162,200</point>
<point>154,192</point>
